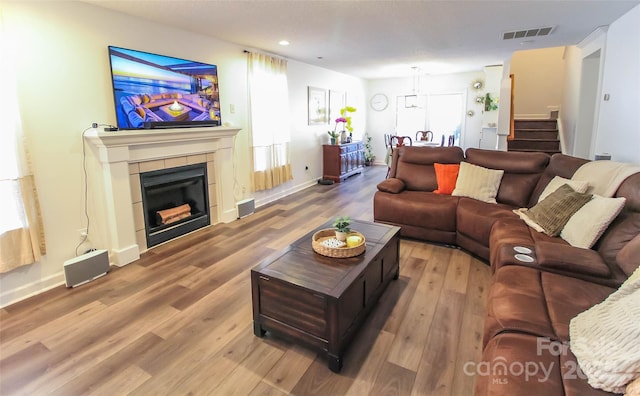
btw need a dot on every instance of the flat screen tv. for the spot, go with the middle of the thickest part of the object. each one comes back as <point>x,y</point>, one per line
<point>157,91</point>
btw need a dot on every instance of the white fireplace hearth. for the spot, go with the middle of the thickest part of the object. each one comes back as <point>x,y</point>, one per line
<point>117,153</point>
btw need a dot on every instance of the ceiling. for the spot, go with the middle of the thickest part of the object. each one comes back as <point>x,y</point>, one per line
<point>382,39</point>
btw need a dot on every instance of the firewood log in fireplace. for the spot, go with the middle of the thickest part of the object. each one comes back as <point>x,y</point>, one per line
<point>171,215</point>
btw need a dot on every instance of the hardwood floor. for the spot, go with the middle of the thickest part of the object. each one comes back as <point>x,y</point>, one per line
<point>179,320</point>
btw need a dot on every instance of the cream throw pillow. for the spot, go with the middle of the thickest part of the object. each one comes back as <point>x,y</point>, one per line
<point>605,337</point>
<point>588,224</point>
<point>556,182</point>
<point>477,182</point>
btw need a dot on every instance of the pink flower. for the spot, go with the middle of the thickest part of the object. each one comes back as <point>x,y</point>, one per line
<point>339,120</point>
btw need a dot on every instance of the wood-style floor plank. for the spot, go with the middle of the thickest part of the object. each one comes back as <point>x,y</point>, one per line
<point>179,320</point>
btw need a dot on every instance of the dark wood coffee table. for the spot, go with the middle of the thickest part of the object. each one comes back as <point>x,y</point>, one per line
<point>320,301</point>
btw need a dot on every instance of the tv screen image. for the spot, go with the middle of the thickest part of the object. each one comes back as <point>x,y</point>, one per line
<point>157,91</point>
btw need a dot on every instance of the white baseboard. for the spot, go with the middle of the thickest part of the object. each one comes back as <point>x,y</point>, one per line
<point>29,290</point>
<point>281,194</point>
<point>531,116</point>
<point>122,257</point>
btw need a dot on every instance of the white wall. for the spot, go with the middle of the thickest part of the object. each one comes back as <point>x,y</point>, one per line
<point>381,122</point>
<point>570,97</point>
<point>618,131</point>
<point>538,81</point>
<point>64,85</point>
<point>307,140</point>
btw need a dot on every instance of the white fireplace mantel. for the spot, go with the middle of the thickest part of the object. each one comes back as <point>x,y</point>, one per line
<point>115,150</point>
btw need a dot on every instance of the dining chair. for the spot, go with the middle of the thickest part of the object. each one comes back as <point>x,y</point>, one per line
<point>387,157</point>
<point>427,136</point>
<point>399,141</point>
<point>452,140</point>
<point>387,140</point>
<point>442,141</point>
<point>394,142</point>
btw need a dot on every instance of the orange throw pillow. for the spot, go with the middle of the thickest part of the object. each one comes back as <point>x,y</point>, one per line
<point>446,176</point>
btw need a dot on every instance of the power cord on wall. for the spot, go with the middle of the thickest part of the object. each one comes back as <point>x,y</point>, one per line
<point>86,190</point>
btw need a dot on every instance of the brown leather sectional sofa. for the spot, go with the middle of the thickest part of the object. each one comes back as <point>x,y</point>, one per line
<point>526,338</point>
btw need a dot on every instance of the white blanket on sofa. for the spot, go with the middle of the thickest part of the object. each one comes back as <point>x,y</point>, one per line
<point>604,177</point>
<point>604,338</point>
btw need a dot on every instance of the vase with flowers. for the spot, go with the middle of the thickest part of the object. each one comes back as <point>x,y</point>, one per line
<point>335,134</point>
<point>344,113</point>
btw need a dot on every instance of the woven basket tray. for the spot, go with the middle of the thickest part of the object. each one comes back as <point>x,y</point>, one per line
<point>343,252</point>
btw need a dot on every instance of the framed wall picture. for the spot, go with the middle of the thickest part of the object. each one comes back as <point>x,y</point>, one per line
<point>318,106</point>
<point>337,100</point>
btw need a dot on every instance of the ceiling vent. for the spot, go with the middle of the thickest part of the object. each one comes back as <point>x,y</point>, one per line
<point>535,32</point>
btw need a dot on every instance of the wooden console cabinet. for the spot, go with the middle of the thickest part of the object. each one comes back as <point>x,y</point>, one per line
<point>340,161</point>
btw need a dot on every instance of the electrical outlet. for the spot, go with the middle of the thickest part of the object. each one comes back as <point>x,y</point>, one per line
<point>83,233</point>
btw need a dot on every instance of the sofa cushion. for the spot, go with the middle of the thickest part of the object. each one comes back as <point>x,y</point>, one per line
<point>508,232</point>
<point>414,165</point>
<point>478,182</point>
<point>521,364</point>
<point>475,218</point>
<point>521,172</point>
<point>621,231</point>
<point>434,211</point>
<point>391,185</point>
<point>446,176</point>
<point>559,165</point>
<point>537,302</point>
<point>587,225</point>
<point>571,259</point>
<point>553,212</point>
<point>557,182</point>
<point>629,256</point>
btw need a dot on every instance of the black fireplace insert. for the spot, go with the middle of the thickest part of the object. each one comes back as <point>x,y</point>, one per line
<point>175,202</point>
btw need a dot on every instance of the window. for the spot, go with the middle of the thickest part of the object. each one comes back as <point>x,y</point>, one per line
<point>269,112</point>
<point>21,233</point>
<point>442,114</point>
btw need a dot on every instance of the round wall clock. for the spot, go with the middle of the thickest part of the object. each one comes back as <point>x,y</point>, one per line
<point>379,102</point>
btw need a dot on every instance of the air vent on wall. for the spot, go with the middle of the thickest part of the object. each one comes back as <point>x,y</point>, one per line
<point>535,32</point>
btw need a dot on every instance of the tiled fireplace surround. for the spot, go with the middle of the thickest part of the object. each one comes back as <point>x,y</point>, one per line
<point>123,155</point>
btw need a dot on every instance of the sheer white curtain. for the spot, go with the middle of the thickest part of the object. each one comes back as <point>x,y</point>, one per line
<point>21,233</point>
<point>269,111</point>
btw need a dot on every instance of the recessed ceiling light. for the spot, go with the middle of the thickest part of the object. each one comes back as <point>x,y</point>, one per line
<point>283,42</point>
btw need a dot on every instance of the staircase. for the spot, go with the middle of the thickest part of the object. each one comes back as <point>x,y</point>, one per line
<point>535,135</point>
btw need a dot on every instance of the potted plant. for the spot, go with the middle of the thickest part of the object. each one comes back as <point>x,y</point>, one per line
<point>341,224</point>
<point>369,157</point>
<point>334,136</point>
<point>489,102</point>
